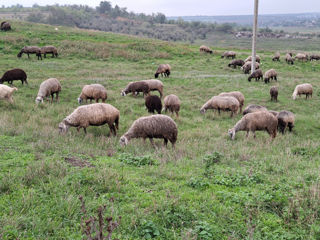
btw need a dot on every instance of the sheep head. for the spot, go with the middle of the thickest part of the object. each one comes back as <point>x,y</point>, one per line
<point>123,141</point>
<point>123,93</point>
<point>39,100</point>
<point>202,110</point>
<point>79,100</point>
<point>19,54</point>
<point>63,126</point>
<point>156,75</point>
<point>232,133</point>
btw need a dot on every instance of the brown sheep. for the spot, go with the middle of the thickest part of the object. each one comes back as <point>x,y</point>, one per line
<point>305,88</point>
<point>30,50</point>
<point>163,69</point>
<point>257,74</point>
<point>301,57</point>
<point>270,74</point>
<point>236,94</point>
<point>155,85</point>
<point>285,118</point>
<point>249,59</point>
<point>172,102</point>
<point>254,108</point>
<point>49,49</point>
<point>153,103</point>
<point>14,74</point>
<point>229,54</point>
<point>96,114</point>
<point>136,87</point>
<point>289,59</point>
<point>93,91</point>
<point>235,63</point>
<point>247,67</point>
<point>221,103</point>
<point>5,26</point>
<point>276,57</point>
<point>274,93</point>
<point>314,57</point>
<point>205,49</point>
<point>257,121</point>
<point>155,126</point>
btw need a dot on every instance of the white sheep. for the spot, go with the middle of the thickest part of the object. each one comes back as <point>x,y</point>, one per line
<point>93,91</point>
<point>6,92</point>
<point>48,87</point>
<point>305,88</point>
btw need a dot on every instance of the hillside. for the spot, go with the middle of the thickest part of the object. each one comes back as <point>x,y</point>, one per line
<point>208,187</point>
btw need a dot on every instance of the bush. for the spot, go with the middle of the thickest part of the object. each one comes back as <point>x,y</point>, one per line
<point>136,160</point>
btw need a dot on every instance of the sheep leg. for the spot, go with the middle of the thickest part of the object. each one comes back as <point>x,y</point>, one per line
<point>290,126</point>
<point>165,142</point>
<point>97,100</point>
<point>151,140</point>
<point>52,55</point>
<point>51,97</point>
<point>219,111</point>
<point>177,113</point>
<point>247,135</point>
<point>85,130</point>
<point>78,129</point>
<point>57,96</point>
<point>254,134</point>
<point>28,55</point>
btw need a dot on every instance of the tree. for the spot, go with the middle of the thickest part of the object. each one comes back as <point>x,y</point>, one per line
<point>104,7</point>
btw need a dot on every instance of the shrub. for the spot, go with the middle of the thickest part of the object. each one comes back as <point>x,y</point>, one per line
<point>136,160</point>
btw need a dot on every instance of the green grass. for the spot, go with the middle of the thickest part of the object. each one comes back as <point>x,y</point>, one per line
<point>209,187</point>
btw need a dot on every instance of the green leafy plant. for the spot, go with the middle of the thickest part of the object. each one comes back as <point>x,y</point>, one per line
<point>137,160</point>
<point>149,230</point>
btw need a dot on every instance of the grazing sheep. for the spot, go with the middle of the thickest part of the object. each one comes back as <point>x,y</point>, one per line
<point>254,108</point>
<point>14,74</point>
<point>301,57</point>
<point>285,118</point>
<point>270,74</point>
<point>205,49</point>
<point>172,102</point>
<point>229,54</point>
<point>6,92</point>
<point>249,59</point>
<point>30,50</point>
<point>96,114</point>
<point>276,57</point>
<point>155,126</point>
<point>5,26</point>
<point>257,74</point>
<point>235,63</point>
<point>221,103</point>
<point>136,87</point>
<point>48,87</point>
<point>49,49</point>
<point>305,88</point>
<point>236,94</point>
<point>257,121</point>
<point>155,85</point>
<point>314,57</point>
<point>247,67</point>
<point>153,103</point>
<point>274,113</point>
<point>93,91</point>
<point>289,59</point>
<point>163,69</point>
<point>274,93</point>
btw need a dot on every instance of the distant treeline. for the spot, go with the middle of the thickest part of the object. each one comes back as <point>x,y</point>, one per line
<point>105,17</point>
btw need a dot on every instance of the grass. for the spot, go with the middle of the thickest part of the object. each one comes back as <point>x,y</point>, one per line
<point>209,187</point>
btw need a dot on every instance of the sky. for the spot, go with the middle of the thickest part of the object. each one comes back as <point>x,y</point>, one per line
<point>192,7</point>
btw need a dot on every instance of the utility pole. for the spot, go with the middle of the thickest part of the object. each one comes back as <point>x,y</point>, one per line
<point>254,35</point>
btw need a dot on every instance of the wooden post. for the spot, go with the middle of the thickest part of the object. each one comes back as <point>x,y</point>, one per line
<point>254,35</point>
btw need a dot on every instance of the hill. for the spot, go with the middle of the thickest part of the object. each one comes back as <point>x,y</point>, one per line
<point>208,187</point>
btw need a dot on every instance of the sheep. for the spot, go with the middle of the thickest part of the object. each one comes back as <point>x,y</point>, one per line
<point>49,49</point>
<point>48,87</point>
<point>172,102</point>
<point>285,118</point>
<point>96,114</point>
<point>155,126</point>
<point>153,103</point>
<point>257,74</point>
<point>270,74</point>
<point>136,87</point>
<point>205,49</point>
<point>221,103</point>
<point>257,121</point>
<point>5,26</point>
<point>6,92</point>
<point>289,59</point>
<point>249,59</point>
<point>301,57</point>
<point>247,67</point>
<point>276,57</point>
<point>163,69</point>
<point>14,74</point>
<point>93,91</point>
<point>236,94</point>
<point>305,88</point>
<point>254,108</point>
<point>229,54</point>
<point>314,57</point>
<point>155,85</point>
<point>274,93</point>
<point>235,63</point>
<point>30,50</point>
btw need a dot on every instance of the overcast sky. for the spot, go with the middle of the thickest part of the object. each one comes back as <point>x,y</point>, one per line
<point>193,7</point>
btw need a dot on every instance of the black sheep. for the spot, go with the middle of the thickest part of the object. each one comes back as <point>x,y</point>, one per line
<point>14,74</point>
<point>136,87</point>
<point>235,63</point>
<point>5,26</point>
<point>257,74</point>
<point>153,103</point>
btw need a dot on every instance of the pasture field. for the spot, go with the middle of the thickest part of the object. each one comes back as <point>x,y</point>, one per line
<point>208,187</point>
